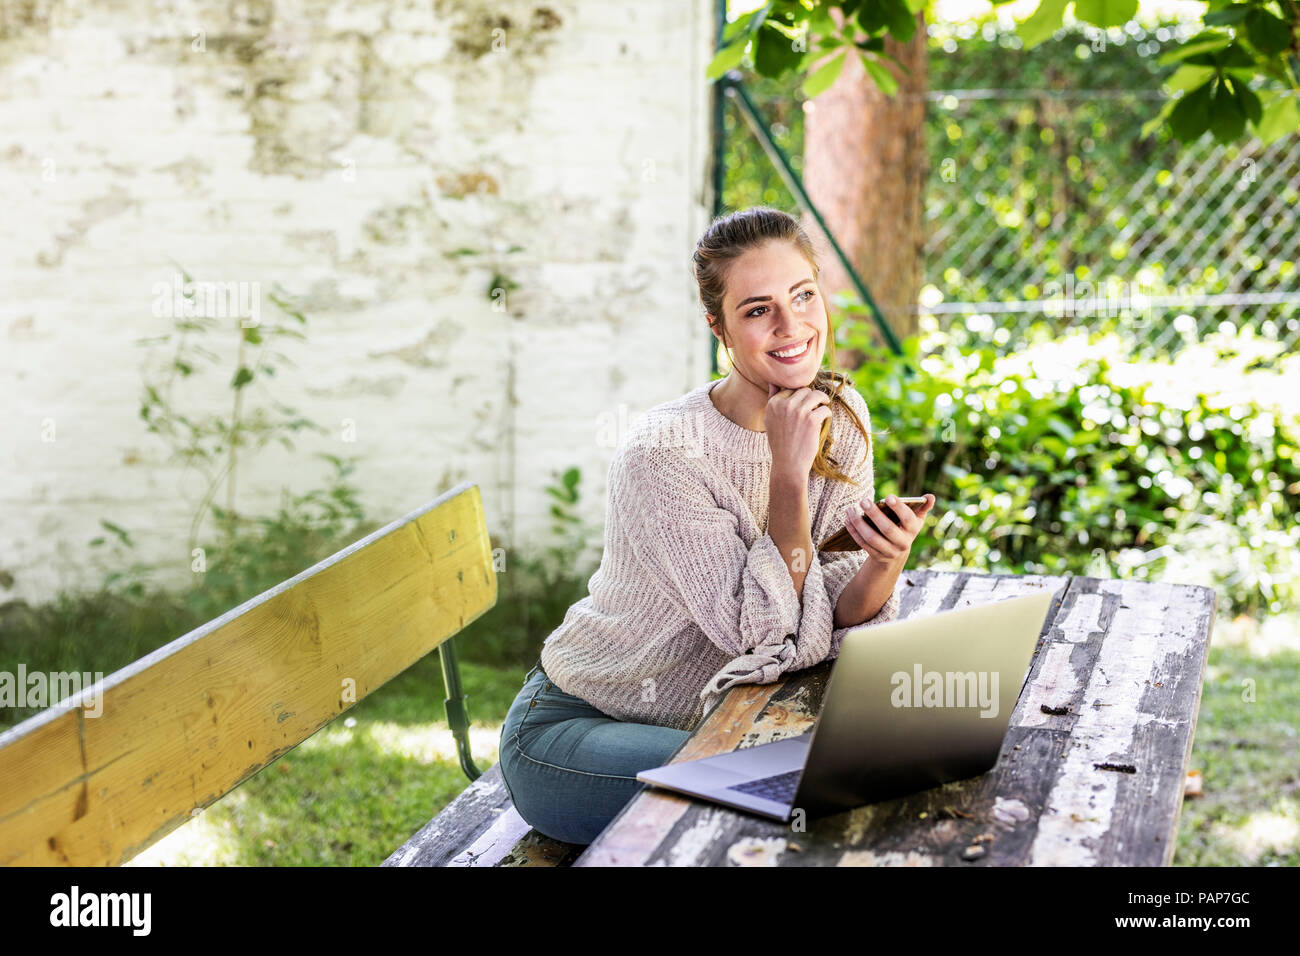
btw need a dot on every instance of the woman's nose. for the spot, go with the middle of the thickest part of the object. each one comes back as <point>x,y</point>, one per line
<point>786,321</point>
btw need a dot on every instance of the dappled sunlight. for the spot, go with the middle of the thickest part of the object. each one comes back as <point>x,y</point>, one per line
<point>424,743</point>
<point>203,841</point>
<point>1276,633</point>
<point>1275,831</point>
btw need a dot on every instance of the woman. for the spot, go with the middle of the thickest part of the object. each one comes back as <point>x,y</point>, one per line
<point>710,576</point>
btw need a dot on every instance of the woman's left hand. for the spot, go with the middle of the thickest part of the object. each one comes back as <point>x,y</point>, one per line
<point>895,544</point>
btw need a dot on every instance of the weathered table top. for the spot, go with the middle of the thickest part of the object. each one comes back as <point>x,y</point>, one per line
<point>1091,771</point>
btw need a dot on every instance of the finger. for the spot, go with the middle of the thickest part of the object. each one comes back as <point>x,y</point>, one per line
<point>891,532</point>
<point>906,516</point>
<point>771,389</point>
<point>858,530</point>
<point>811,397</point>
<point>869,539</point>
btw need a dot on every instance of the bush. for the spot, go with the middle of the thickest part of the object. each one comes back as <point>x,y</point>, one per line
<point>1066,456</point>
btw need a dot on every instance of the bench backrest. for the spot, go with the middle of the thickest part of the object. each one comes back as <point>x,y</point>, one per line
<point>96,782</point>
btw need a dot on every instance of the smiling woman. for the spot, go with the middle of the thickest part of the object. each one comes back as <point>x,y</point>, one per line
<point>710,577</point>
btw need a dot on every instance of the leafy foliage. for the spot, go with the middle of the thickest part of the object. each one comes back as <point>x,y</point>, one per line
<point>1243,42</point>
<point>1068,457</point>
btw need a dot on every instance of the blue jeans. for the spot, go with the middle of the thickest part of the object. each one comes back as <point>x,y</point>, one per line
<point>568,767</point>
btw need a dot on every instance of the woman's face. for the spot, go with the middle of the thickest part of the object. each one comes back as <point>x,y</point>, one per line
<point>773,304</point>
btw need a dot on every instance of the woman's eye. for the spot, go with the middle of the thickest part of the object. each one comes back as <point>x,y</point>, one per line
<point>752,312</point>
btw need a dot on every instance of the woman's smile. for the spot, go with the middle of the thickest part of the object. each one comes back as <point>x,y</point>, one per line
<point>794,354</point>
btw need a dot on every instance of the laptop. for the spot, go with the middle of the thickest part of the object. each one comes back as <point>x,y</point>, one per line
<point>910,705</point>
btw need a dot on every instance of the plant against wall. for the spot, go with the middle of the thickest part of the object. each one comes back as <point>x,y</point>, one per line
<point>250,552</point>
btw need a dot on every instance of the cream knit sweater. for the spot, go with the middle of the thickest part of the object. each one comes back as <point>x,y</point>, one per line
<point>692,595</point>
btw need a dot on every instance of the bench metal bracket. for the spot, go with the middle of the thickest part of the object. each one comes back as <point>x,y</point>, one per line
<point>457,715</point>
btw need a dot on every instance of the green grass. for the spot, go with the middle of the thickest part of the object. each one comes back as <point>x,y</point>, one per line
<point>1248,753</point>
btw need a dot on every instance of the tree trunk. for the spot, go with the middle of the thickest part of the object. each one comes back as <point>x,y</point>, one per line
<point>865,168</point>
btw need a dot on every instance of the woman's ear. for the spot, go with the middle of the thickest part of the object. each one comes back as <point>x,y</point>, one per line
<point>714,327</point>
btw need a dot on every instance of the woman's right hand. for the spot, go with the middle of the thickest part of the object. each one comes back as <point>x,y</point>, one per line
<point>793,418</point>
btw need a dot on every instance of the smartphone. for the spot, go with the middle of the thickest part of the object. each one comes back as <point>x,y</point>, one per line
<point>843,541</point>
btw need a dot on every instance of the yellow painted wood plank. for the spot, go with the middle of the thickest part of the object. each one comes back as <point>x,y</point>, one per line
<point>184,725</point>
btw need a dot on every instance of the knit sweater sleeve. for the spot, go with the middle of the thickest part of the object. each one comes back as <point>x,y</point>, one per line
<point>741,597</point>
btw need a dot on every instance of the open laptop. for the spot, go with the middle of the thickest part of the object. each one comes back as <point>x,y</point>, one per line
<point>910,705</point>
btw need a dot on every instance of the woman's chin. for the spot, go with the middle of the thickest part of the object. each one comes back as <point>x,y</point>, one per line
<point>794,377</point>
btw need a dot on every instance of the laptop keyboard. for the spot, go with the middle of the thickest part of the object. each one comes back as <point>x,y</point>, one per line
<point>780,787</point>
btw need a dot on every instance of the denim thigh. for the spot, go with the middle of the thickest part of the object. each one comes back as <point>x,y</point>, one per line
<point>568,767</point>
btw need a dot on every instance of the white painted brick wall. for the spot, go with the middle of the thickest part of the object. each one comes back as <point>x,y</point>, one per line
<point>122,149</point>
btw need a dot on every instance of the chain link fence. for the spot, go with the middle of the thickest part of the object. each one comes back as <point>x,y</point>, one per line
<point>1050,206</point>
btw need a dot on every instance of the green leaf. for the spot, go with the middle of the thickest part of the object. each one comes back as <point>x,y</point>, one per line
<point>902,21</point>
<point>1150,125</point>
<point>1281,117</point>
<point>1229,14</point>
<point>1055,446</point>
<point>1248,100</point>
<point>745,24</point>
<point>774,52</point>
<point>1267,33</point>
<point>1190,116</point>
<point>1043,22</point>
<point>1106,13</point>
<point>242,377</point>
<point>1236,56</point>
<point>1227,119</point>
<point>251,335</point>
<point>726,59</point>
<point>825,76</point>
<point>1061,428</point>
<point>1188,77</point>
<point>1204,41</point>
<point>873,16</point>
<point>121,533</point>
<point>882,77</point>
<point>820,22</point>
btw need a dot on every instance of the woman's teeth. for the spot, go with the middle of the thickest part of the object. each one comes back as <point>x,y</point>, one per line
<point>793,351</point>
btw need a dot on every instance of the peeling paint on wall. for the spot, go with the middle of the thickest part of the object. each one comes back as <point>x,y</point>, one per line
<point>387,165</point>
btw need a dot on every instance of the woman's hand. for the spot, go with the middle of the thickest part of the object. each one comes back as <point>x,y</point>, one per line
<point>896,542</point>
<point>793,418</point>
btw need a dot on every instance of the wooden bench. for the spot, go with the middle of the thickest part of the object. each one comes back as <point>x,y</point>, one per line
<point>97,779</point>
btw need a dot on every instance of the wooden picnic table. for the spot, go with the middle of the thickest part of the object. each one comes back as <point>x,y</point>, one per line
<point>1091,772</point>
